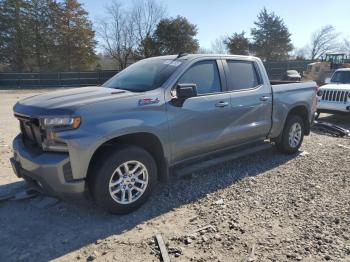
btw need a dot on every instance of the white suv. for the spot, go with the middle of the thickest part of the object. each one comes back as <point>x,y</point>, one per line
<point>335,96</point>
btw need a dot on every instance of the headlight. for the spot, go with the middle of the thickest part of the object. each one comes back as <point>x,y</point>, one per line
<point>51,125</point>
<point>61,122</point>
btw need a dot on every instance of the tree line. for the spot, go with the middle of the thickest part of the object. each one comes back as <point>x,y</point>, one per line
<point>53,35</point>
<point>270,40</point>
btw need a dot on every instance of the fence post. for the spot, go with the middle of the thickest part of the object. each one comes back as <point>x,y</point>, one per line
<point>18,81</point>
<point>79,80</point>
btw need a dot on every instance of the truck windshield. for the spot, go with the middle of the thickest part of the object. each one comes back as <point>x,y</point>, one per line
<point>144,75</point>
<point>341,77</point>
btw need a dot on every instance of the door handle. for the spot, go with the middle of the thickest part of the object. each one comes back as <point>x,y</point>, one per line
<point>221,104</point>
<point>264,98</point>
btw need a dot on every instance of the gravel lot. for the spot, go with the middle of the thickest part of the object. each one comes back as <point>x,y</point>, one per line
<point>264,207</point>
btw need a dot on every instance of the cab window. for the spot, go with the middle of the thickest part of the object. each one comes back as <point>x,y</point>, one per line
<point>242,75</point>
<point>205,75</point>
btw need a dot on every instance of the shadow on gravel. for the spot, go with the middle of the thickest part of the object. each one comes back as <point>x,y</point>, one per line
<point>10,189</point>
<point>40,234</point>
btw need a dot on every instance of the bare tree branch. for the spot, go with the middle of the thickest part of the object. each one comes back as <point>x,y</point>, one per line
<point>146,15</point>
<point>324,41</point>
<point>123,31</point>
<point>117,33</point>
<point>218,46</point>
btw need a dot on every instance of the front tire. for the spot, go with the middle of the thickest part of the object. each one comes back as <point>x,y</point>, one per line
<point>123,180</point>
<point>292,135</point>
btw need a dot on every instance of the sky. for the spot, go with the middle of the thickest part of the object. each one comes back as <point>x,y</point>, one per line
<point>215,18</point>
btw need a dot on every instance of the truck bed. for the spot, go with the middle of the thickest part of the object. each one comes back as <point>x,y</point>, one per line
<point>291,95</point>
<point>281,82</point>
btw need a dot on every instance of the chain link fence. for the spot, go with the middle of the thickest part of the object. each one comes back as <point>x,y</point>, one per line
<point>54,79</point>
<point>275,70</point>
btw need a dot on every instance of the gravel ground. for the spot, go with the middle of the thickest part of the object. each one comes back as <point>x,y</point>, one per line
<point>263,207</point>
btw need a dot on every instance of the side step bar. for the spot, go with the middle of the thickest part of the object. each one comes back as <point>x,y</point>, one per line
<point>203,164</point>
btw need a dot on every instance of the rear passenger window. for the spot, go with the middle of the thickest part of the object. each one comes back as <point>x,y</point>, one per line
<point>243,75</point>
<point>205,75</point>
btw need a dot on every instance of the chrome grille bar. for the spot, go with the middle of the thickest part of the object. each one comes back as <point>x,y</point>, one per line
<point>335,96</point>
<point>30,130</point>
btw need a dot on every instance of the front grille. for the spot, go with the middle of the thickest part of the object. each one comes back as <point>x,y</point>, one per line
<point>30,129</point>
<point>335,96</point>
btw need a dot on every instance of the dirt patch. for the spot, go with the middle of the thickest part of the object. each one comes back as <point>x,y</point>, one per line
<point>263,207</point>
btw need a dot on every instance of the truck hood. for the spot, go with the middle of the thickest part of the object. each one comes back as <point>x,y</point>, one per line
<point>67,101</point>
<point>345,87</point>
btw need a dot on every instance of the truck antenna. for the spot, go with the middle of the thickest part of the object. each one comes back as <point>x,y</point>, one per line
<point>181,54</point>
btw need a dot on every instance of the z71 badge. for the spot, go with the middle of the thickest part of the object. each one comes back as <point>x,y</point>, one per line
<point>148,101</point>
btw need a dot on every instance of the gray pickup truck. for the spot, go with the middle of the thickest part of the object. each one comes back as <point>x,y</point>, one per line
<point>117,140</point>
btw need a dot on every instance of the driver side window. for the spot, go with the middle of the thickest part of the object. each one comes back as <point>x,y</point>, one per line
<point>205,75</point>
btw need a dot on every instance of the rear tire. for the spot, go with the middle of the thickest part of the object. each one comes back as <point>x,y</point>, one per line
<point>123,180</point>
<point>292,135</point>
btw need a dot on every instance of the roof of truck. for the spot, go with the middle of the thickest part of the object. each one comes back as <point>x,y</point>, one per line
<point>343,69</point>
<point>193,56</point>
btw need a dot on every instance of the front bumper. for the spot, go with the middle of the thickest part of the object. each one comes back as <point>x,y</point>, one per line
<point>46,170</point>
<point>325,106</point>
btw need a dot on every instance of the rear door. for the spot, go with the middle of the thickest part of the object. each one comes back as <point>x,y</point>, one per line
<point>201,124</point>
<point>251,101</point>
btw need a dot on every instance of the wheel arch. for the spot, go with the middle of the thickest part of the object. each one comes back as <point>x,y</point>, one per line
<point>303,112</point>
<point>148,141</point>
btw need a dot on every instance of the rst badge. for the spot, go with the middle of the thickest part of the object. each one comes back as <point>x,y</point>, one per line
<point>148,101</point>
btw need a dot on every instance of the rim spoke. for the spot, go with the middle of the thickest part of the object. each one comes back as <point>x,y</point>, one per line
<point>140,181</point>
<point>139,173</point>
<point>135,168</point>
<point>123,195</point>
<point>116,190</point>
<point>126,168</point>
<point>116,182</point>
<point>138,189</point>
<point>119,171</point>
<point>129,195</point>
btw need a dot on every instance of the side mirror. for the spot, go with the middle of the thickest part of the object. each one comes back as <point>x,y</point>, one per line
<point>184,91</point>
<point>327,80</point>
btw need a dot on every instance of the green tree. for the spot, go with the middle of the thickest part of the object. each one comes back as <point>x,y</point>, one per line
<point>237,44</point>
<point>175,35</point>
<point>45,35</point>
<point>14,35</point>
<point>271,38</point>
<point>148,48</point>
<point>41,20</point>
<point>75,37</point>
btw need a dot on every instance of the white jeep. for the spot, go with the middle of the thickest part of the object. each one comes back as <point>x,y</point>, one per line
<point>335,96</point>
